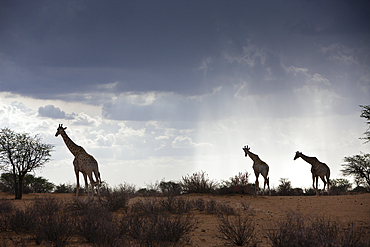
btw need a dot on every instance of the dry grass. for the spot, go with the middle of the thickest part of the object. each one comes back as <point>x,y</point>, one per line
<point>195,220</point>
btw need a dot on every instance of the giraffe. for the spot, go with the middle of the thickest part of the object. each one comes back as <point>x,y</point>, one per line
<point>259,167</point>
<point>318,169</point>
<point>83,162</point>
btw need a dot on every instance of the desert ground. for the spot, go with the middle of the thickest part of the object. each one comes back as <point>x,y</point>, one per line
<point>267,211</point>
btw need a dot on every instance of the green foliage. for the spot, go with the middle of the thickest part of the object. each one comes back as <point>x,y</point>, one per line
<point>358,166</point>
<point>31,184</point>
<point>365,113</point>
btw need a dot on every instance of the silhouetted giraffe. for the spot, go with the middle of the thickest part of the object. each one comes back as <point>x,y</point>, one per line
<point>83,162</point>
<point>259,166</point>
<point>318,169</point>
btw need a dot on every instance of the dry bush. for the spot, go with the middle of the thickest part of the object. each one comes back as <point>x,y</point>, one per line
<point>295,230</point>
<point>99,227</point>
<point>50,222</point>
<point>237,230</point>
<point>115,199</point>
<point>157,229</point>
<point>6,209</point>
<point>198,183</point>
<point>56,229</point>
<point>175,205</point>
<point>213,207</point>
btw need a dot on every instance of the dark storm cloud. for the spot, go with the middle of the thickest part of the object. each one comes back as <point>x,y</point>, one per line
<point>69,49</point>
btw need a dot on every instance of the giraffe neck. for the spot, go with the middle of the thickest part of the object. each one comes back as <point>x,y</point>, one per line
<point>73,147</point>
<point>311,160</point>
<point>253,156</point>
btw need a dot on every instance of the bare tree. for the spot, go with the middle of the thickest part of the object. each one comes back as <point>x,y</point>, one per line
<point>359,167</point>
<point>366,114</point>
<point>21,154</point>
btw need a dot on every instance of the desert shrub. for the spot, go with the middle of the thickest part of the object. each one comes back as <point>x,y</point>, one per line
<point>129,189</point>
<point>295,230</point>
<point>158,229</point>
<point>115,199</point>
<point>212,207</point>
<point>145,207</point>
<point>237,230</point>
<point>56,229</point>
<point>175,205</point>
<point>65,188</point>
<point>236,185</point>
<point>6,209</point>
<point>361,189</point>
<point>50,222</point>
<point>99,227</point>
<point>200,204</point>
<point>78,207</point>
<point>20,220</point>
<point>285,187</point>
<point>309,192</point>
<point>170,188</point>
<point>339,186</point>
<point>198,182</point>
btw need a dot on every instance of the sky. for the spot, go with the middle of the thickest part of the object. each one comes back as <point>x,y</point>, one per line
<point>156,90</point>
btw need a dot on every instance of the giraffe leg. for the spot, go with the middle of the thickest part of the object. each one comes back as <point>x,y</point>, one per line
<point>86,185</point>
<point>327,178</point>
<point>324,181</point>
<point>256,184</point>
<point>317,185</point>
<point>97,176</point>
<point>75,164</point>
<point>92,182</point>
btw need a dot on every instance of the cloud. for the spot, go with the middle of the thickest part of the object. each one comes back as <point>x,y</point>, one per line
<point>54,112</point>
<point>187,142</point>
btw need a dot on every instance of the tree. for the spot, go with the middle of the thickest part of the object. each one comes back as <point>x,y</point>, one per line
<point>366,114</point>
<point>31,184</point>
<point>21,154</point>
<point>359,167</point>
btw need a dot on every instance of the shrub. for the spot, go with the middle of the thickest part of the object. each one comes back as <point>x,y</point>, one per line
<point>114,200</point>
<point>65,188</point>
<point>236,185</point>
<point>157,229</point>
<point>339,186</point>
<point>285,187</point>
<point>99,227</point>
<point>170,188</point>
<point>198,183</point>
<point>57,229</point>
<point>237,230</point>
<point>295,230</point>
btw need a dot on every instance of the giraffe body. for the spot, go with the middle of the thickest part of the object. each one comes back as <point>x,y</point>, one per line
<point>83,162</point>
<point>318,169</point>
<point>259,167</point>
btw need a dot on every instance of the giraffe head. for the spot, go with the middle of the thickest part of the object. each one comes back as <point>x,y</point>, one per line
<point>297,155</point>
<point>60,130</point>
<point>246,149</point>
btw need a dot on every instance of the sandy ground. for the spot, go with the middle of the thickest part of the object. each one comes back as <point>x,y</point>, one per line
<point>268,210</point>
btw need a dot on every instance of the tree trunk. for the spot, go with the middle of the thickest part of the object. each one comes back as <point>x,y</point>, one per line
<point>19,188</point>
